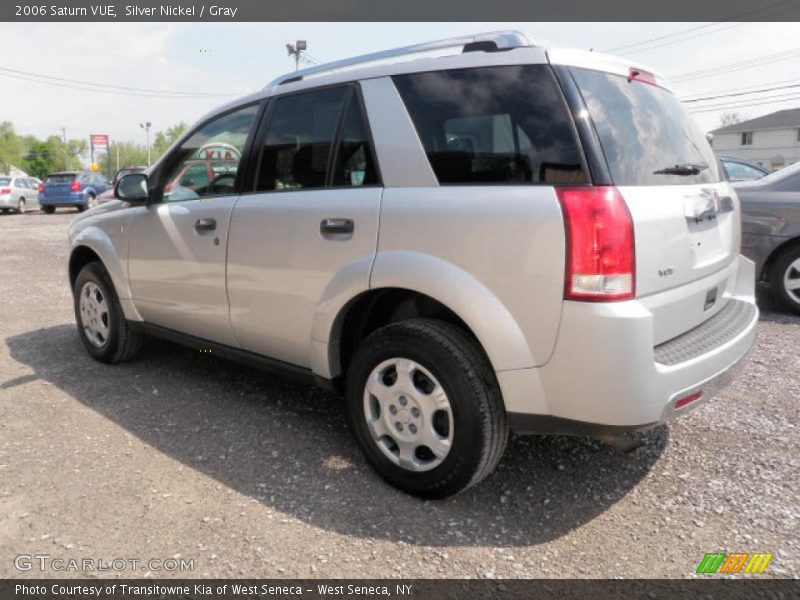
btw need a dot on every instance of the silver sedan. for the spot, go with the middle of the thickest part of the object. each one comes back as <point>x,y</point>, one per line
<point>18,194</point>
<point>771,231</point>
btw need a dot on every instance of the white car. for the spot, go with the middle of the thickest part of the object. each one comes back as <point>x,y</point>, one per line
<point>504,238</point>
<point>19,194</point>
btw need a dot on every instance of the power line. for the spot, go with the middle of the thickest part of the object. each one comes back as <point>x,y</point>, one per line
<point>701,27</point>
<point>718,107</point>
<point>692,98</point>
<point>736,66</point>
<point>103,87</point>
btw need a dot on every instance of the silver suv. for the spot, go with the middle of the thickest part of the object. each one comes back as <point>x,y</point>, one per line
<point>465,238</point>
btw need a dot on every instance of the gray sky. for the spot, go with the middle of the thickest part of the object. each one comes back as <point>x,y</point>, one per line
<point>234,59</point>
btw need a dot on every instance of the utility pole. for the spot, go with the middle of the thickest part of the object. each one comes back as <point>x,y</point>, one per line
<point>296,50</point>
<point>146,127</point>
<point>64,141</point>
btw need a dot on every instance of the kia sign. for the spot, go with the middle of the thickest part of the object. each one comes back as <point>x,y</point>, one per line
<point>99,141</point>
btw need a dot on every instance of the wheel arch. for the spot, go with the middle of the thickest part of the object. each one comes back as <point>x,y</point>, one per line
<point>776,253</point>
<point>410,285</point>
<point>92,244</point>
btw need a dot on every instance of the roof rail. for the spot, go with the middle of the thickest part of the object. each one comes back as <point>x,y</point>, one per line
<point>494,40</point>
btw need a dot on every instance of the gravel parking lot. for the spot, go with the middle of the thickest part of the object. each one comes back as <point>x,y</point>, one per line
<point>183,454</point>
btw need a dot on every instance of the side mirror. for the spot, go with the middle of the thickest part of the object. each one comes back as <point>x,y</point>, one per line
<point>133,188</point>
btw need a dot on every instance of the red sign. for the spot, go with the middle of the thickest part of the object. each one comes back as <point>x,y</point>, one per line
<point>99,141</point>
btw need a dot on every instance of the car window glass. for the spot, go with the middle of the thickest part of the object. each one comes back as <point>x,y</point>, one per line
<point>206,164</point>
<point>739,171</point>
<point>498,125</point>
<point>645,131</point>
<point>298,140</point>
<point>5,180</point>
<point>355,165</point>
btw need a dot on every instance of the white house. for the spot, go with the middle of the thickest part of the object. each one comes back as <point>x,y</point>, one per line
<point>772,141</point>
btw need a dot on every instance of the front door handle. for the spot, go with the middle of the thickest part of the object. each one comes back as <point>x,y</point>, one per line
<point>336,227</point>
<point>205,225</point>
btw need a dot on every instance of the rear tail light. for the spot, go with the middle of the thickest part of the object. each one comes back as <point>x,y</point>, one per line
<point>41,187</point>
<point>600,253</point>
<point>5,190</point>
<point>75,186</point>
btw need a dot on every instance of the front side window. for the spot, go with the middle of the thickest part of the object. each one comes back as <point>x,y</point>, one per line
<point>207,163</point>
<point>299,139</point>
<point>493,125</point>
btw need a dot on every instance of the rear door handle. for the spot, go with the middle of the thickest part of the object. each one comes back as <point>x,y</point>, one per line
<point>205,225</point>
<point>336,227</point>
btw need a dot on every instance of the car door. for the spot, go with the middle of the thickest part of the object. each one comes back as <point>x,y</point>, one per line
<point>177,244</point>
<point>313,213</point>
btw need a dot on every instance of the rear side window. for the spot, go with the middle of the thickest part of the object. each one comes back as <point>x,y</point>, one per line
<point>493,125</point>
<point>299,139</point>
<point>355,165</point>
<point>646,135</point>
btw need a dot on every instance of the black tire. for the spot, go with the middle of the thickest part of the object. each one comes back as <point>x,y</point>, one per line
<point>790,300</point>
<point>122,343</point>
<point>480,432</point>
<point>87,203</point>
<point>49,210</point>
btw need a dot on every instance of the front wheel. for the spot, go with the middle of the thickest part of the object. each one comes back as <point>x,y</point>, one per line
<point>425,407</point>
<point>102,326</point>
<point>785,279</point>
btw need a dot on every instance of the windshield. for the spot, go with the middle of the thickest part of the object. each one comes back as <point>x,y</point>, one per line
<point>646,135</point>
<point>781,173</point>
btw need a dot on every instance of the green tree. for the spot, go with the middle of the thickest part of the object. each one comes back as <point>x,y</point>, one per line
<point>164,139</point>
<point>11,147</point>
<point>127,154</point>
<point>729,118</point>
<point>38,160</point>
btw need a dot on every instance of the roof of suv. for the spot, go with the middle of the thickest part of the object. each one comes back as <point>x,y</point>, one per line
<point>482,49</point>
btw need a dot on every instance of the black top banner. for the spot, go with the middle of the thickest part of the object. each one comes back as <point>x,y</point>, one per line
<point>404,10</point>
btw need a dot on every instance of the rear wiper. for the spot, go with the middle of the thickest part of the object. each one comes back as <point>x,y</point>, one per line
<point>684,169</point>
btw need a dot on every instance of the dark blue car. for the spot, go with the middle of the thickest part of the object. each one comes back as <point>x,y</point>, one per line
<point>72,188</point>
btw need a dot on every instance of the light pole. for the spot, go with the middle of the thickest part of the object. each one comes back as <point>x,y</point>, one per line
<point>64,141</point>
<point>295,50</point>
<point>146,127</point>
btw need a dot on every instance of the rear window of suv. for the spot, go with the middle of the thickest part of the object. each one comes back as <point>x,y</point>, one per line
<point>644,131</point>
<point>493,125</point>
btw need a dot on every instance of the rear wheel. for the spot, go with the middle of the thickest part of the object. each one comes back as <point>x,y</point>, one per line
<point>21,206</point>
<point>424,405</point>
<point>49,209</point>
<point>785,279</point>
<point>102,326</point>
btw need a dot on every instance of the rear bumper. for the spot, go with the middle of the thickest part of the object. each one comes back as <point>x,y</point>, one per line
<point>606,375</point>
<point>7,202</point>
<point>76,199</point>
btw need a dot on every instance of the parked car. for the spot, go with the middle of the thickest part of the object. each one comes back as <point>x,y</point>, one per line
<point>18,194</point>
<point>738,169</point>
<point>537,240</point>
<point>72,188</point>
<point>109,193</point>
<point>771,231</point>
